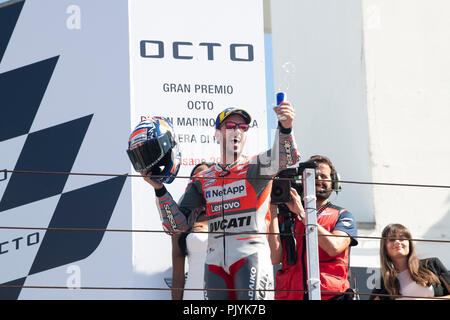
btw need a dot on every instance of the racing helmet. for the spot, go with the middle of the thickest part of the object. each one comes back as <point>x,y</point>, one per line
<point>152,148</point>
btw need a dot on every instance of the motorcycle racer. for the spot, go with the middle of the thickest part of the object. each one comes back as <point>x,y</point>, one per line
<point>236,196</point>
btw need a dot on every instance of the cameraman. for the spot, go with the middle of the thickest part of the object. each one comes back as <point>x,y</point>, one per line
<point>336,232</point>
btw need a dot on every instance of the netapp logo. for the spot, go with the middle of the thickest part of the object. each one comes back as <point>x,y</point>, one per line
<point>227,192</point>
<point>156,49</point>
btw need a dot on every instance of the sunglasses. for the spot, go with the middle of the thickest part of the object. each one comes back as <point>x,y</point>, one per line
<point>230,125</point>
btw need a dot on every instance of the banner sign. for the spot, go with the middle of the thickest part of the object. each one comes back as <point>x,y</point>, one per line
<point>65,109</point>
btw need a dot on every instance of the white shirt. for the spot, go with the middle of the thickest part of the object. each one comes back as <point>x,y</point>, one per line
<point>408,287</point>
<point>196,244</point>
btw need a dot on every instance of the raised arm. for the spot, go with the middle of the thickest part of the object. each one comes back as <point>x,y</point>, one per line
<point>284,152</point>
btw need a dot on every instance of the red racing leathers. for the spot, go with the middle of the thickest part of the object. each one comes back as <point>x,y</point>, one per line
<point>237,200</point>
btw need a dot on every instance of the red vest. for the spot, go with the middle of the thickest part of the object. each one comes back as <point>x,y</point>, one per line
<point>333,270</point>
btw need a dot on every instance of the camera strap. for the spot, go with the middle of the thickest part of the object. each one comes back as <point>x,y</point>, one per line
<point>287,229</point>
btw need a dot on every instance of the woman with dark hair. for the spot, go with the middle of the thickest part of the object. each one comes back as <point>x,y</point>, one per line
<point>191,245</point>
<point>404,276</point>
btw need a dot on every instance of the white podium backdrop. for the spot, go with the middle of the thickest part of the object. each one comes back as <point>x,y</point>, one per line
<point>189,60</point>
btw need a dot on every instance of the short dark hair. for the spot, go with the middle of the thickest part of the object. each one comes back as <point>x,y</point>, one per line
<point>323,159</point>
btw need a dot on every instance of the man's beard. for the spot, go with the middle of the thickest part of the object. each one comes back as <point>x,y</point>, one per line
<point>323,195</point>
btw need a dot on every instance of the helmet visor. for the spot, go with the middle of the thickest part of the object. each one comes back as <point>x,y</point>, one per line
<point>146,155</point>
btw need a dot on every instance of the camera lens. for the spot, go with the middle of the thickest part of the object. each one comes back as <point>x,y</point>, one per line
<point>277,191</point>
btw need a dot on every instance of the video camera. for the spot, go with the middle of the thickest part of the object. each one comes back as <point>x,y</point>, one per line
<point>281,193</point>
<point>287,178</point>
